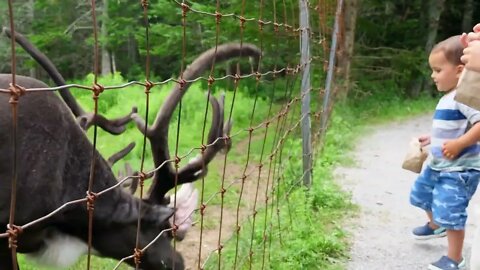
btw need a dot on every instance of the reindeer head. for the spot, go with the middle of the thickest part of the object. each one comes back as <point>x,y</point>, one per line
<point>166,177</point>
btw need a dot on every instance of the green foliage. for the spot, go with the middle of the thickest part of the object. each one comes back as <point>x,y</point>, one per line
<point>391,42</point>
<point>118,102</point>
<point>80,265</point>
<point>395,24</point>
<point>65,34</point>
<point>310,232</point>
<point>387,68</point>
<point>307,235</point>
<point>377,104</point>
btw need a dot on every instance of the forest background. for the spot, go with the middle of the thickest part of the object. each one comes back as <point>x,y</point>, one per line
<point>391,38</point>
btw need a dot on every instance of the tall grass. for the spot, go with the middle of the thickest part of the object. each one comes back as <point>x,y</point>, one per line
<point>310,234</point>
<point>116,103</point>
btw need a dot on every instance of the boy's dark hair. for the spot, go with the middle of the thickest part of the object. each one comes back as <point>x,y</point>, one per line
<point>452,48</point>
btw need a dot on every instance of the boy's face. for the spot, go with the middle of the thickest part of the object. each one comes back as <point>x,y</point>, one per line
<point>445,75</point>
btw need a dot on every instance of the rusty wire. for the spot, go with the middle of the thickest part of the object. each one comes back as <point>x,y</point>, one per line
<point>148,86</point>
<point>271,156</point>
<point>244,176</point>
<point>15,92</point>
<point>261,23</point>
<point>97,90</point>
<point>282,131</point>
<point>182,83</point>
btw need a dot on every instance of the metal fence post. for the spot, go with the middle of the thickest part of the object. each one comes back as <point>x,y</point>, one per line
<point>306,86</point>
<point>331,70</point>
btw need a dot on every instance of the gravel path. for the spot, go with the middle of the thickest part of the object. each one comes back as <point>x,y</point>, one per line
<point>381,232</point>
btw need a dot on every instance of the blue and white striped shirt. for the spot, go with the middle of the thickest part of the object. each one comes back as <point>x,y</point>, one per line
<point>450,121</point>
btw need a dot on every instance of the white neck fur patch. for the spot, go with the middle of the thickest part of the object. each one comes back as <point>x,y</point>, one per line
<point>60,251</point>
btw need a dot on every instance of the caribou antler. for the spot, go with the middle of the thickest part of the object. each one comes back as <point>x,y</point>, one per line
<point>132,183</point>
<point>120,154</point>
<point>164,178</point>
<point>115,126</point>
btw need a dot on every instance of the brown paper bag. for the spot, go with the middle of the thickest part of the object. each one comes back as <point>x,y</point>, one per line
<point>415,157</point>
<point>468,89</point>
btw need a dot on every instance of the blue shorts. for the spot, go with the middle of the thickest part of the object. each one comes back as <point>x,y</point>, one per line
<point>446,195</point>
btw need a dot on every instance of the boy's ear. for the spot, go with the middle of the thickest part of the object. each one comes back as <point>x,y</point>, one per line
<point>460,69</point>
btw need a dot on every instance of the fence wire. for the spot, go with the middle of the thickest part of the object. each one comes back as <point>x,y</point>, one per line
<point>241,212</point>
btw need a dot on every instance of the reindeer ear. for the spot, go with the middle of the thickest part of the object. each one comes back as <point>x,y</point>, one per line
<point>157,214</point>
<point>82,122</point>
<point>187,200</point>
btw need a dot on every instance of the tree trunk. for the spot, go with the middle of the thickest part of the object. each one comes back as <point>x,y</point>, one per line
<point>112,60</point>
<point>435,10</point>
<point>345,59</point>
<point>467,23</point>
<point>106,58</point>
<point>30,18</point>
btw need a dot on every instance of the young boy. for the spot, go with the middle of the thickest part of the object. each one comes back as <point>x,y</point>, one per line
<point>446,185</point>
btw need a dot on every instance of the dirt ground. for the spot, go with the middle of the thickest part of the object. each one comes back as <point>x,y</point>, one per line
<point>189,247</point>
<point>381,233</point>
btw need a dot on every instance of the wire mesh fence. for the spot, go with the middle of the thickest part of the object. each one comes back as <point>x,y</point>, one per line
<point>243,158</point>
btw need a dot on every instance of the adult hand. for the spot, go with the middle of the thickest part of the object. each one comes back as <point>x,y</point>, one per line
<point>475,35</point>
<point>471,56</point>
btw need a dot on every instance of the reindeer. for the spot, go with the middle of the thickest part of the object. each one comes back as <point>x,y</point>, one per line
<point>54,158</point>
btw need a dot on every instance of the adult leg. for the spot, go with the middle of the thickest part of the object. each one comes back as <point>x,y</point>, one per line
<point>475,255</point>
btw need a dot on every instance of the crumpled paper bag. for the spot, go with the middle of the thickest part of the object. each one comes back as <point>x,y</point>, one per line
<point>415,157</point>
<point>468,89</point>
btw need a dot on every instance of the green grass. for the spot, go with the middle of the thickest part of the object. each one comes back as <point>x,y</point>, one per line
<point>96,263</point>
<point>311,221</point>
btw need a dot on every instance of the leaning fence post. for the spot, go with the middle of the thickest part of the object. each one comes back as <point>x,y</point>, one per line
<point>306,86</point>
<point>331,70</point>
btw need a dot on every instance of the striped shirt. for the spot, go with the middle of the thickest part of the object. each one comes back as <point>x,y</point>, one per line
<point>450,121</point>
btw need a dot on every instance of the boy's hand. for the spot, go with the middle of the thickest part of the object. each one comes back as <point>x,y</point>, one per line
<point>424,140</point>
<point>451,149</point>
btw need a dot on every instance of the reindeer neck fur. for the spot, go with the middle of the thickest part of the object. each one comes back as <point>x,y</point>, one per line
<point>59,251</point>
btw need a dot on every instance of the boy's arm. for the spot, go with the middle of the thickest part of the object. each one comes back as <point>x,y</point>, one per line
<point>452,148</point>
